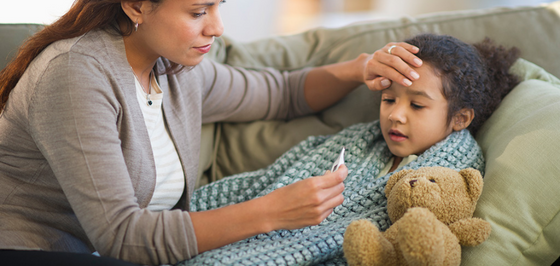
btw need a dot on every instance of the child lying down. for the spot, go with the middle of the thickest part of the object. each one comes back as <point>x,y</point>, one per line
<point>430,123</point>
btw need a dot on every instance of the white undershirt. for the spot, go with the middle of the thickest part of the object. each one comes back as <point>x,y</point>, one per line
<point>170,180</point>
<point>403,162</point>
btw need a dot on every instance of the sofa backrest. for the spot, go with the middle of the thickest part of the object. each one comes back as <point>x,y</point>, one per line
<point>534,30</point>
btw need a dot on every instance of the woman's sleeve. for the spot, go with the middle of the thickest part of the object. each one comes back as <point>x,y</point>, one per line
<point>239,94</point>
<point>73,118</point>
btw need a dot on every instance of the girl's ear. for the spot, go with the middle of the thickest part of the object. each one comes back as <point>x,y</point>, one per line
<point>463,119</point>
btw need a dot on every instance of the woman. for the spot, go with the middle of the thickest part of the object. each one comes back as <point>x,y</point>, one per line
<point>100,132</point>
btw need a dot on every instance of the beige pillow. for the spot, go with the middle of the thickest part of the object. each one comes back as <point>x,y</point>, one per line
<point>521,195</point>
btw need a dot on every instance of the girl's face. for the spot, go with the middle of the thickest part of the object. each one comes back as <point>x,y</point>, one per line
<point>414,118</point>
<point>180,30</point>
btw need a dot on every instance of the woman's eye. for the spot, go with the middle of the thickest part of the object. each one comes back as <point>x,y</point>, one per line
<point>196,15</point>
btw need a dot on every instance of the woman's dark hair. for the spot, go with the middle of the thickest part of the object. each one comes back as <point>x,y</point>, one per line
<point>83,16</point>
<point>473,76</point>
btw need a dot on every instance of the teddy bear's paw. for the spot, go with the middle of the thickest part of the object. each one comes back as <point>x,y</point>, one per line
<point>365,245</point>
<point>471,231</point>
<point>421,238</point>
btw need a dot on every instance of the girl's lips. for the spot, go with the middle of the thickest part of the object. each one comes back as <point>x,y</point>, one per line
<point>397,136</point>
<point>204,49</point>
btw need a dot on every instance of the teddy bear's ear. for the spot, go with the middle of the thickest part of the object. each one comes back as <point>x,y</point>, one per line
<point>473,178</point>
<point>394,179</point>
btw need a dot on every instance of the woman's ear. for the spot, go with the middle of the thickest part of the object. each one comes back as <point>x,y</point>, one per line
<point>133,10</point>
<point>463,119</point>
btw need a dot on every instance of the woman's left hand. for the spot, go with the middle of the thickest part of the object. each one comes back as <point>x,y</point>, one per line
<point>391,63</point>
<point>326,85</point>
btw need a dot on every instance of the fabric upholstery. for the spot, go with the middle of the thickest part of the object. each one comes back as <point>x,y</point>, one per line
<point>520,197</point>
<point>12,36</point>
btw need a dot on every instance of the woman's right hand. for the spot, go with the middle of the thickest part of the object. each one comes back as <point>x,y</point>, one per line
<point>306,202</point>
<point>303,203</point>
<point>392,63</point>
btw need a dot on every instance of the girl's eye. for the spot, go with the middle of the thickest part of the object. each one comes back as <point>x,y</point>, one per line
<point>387,100</point>
<point>416,106</point>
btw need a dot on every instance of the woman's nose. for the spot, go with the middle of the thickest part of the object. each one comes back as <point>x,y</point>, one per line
<point>215,27</point>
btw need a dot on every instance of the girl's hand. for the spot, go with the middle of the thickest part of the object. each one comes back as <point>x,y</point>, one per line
<point>306,202</point>
<point>391,63</point>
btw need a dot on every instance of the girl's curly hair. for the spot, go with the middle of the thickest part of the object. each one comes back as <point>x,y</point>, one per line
<point>473,76</point>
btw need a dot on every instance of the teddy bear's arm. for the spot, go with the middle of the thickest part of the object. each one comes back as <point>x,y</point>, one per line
<point>471,231</point>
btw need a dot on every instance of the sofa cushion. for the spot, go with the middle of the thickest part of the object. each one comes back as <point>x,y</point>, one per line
<point>521,198</point>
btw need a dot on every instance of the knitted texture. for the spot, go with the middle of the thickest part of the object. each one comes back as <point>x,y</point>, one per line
<point>364,197</point>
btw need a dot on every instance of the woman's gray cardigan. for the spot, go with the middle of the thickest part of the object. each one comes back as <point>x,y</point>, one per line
<point>76,165</point>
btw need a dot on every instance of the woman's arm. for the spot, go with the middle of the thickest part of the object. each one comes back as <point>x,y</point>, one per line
<point>309,201</point>
<point>304,203</point>
<point>237,94</point>
<point>328,84</point>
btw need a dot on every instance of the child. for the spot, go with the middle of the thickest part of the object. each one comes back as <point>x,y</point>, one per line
<point>425,124</point>
<point>459,89</point>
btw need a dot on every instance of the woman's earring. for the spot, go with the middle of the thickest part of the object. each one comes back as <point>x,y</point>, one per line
<point>136,26</point>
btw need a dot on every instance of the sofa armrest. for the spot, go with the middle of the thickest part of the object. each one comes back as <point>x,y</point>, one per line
<point>12,36</point>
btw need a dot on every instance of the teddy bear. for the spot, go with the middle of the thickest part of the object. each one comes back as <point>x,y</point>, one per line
<point>431,211</point>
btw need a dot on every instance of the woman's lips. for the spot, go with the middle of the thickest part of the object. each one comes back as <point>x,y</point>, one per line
<point>397,136</point>
<point>204,49</point>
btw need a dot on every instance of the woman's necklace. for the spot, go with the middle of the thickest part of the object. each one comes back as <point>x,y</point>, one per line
<point>148,101</point>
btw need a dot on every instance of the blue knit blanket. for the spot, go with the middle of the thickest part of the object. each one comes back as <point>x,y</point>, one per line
<point>364,197</point>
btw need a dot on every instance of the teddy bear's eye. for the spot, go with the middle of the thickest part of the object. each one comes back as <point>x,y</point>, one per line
<point>432,180</point>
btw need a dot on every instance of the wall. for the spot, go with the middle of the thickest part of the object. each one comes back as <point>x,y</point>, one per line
<point>298,15</point>
<point>247,20</point>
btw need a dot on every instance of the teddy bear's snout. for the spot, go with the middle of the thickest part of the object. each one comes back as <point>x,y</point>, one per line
<point>412,182</point>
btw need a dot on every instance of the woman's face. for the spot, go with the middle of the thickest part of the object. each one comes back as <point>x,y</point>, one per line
<point>414,118</point>
<point>180,30</point>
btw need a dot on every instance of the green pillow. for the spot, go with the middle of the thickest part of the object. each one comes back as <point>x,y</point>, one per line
<point>521,198</point>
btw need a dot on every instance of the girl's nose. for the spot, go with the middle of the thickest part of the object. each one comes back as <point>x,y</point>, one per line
<point>397,115</point>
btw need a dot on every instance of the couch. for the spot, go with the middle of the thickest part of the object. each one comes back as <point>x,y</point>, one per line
<point>521,196</point>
